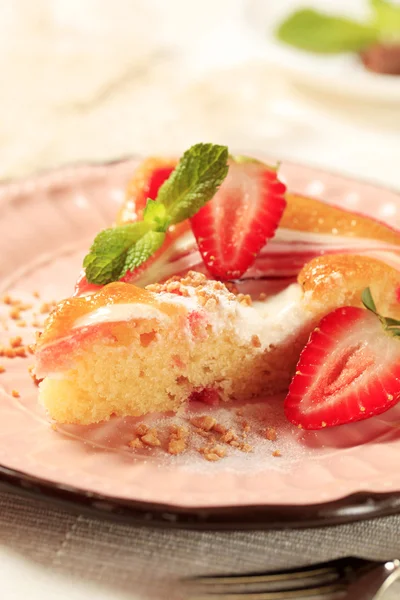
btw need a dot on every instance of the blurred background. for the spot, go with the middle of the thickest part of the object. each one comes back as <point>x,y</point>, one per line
<point>100,79</point>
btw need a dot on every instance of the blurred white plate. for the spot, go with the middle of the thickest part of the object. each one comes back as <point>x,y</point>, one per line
<point>341,74</point>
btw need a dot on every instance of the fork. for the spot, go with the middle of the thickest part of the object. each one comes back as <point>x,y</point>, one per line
<point>360,579</point>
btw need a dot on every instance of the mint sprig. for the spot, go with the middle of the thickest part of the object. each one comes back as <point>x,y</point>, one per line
<point>192,184</point>
<point>314,31</point>
<point>368,301</point>
<point>386,18</point>
<point>156,215</point>
<point>322,33</point>
<point>195,180</point>
<point>143,249</point>
<point>106,259</point>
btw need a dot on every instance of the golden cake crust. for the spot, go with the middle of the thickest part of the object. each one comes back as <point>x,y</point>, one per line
<point>335,280</point>
<point>62,319</point>
<point>303,213</point>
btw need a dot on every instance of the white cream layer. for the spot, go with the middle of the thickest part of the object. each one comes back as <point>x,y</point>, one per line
<point>163,268</point>
<point>272,320</point>
<point>133,310</point>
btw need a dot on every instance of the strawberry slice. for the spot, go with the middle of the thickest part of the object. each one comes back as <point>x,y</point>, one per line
<point>232,228</point>
<point>348,371</point>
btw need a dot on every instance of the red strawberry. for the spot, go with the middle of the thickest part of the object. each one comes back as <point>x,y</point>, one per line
<point>146,182</point>
<point>232,228</point>
<point>348,371</point>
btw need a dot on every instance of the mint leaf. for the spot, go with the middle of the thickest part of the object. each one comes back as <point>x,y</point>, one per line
<point>313,31</point>
<point>368,301</point>
<point>195,181</point>
<point>107,256</point>
<point>389,322</point>
<point>386,19</point>
<point>156,215</point>
<point>142,250</point>
<point>390,325</point>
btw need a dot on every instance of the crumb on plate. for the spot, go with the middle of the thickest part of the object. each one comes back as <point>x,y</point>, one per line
<point>136,443</point>
<point>141,429</point>
<point>151,438</point>
<point>178,440</point>
<point>213,453</point>
<point>271,434</point>
<point>204,422</point>
<point>16,341</point>
<point>32,373</point>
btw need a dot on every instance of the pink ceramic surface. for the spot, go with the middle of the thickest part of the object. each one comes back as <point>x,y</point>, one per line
<point>46,225</point>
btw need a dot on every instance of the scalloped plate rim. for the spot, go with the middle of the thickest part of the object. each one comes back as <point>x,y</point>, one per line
<point>349,508</point>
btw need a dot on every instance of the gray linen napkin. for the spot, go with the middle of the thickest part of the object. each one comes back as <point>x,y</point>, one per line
<point>148,562</point>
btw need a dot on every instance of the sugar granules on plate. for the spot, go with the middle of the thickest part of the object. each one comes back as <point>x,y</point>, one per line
<point>230,436</point>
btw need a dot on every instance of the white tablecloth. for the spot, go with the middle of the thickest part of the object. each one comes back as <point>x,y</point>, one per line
<point>94,79</point>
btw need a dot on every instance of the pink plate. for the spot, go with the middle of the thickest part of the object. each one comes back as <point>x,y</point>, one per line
<point>335,475</point>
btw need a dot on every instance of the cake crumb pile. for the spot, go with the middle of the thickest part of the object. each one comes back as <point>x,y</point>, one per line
<point>16,348</point>
<point>17,312</point>
<point>219,440</point>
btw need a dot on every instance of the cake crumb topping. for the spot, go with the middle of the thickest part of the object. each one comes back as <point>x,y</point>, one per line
<point>207,292</point>
<point>244,299</point>
<point>15,394</point>
<point>231,287</point>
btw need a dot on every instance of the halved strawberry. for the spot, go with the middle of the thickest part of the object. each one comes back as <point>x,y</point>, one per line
<point>232,228</point>
<point>348,371</point>
<point>145,183</point>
